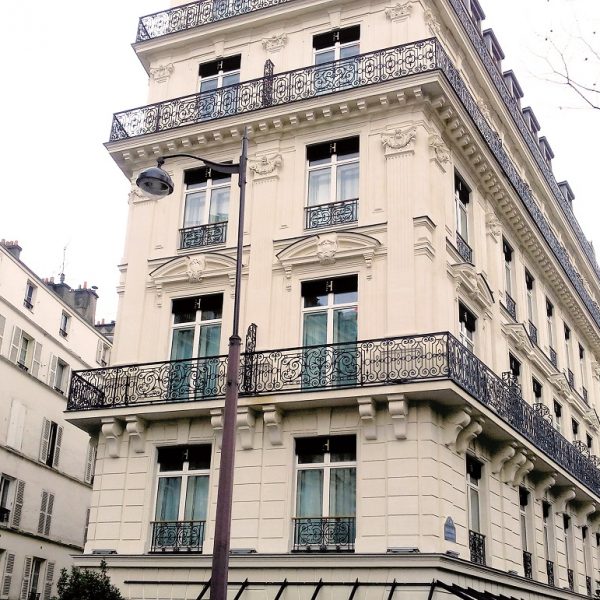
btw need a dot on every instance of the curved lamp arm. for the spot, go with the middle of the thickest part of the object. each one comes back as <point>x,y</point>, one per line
<point>215,166</point>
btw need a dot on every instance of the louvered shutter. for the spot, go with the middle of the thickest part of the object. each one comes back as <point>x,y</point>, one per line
<point>15,344</point>
<point>52,363</point>
<point>43,508</point>
<point>49,579</point>
<point>45,441</point>
<point>90,463</point>
<point>2,324</point>
<point>26,576</point>
<point>59,436</point>
<point>49,514</point>
<point>9,567</point>
<point>37,358</point>
<point>16,425</point>
<point>64,386</point>
<point>17,510</point>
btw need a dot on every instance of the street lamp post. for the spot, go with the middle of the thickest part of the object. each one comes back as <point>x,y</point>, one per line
<point>157,182</point>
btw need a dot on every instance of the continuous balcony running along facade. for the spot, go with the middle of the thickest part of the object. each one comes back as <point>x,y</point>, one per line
<point>46,464</point>
<point>419,382</point>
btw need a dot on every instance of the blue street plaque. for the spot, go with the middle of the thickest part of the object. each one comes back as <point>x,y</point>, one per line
<point>449,530</point>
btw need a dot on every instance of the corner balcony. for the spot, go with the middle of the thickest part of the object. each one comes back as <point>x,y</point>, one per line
<point>394,363</point>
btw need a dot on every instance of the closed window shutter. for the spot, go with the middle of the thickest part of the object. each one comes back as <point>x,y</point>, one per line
<point>56,458</point>
<point>18,506</point>
<point>43,508</point>
<point>26,576</point>
<point>52,370</point>
<point>2,324</point>
<point>90,463</point>
<point>49,514</point>
<point>9,567</point>
<point>45,441</point>
<point>37,357</point>
<point>49,579</point>
<point>15,344</point>
<point>16,425</point>
<point>64,385</point>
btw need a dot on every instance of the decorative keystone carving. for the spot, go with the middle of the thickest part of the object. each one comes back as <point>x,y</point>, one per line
<point>585,510</point>
<point>368,417</point>
<point>112,430</point>
<point>265,166</point>
<point>399,140</point>
<point>400,11</point>
<point>327,247</point>
<point>524,471</point>
<point>398,407</point>
<point>195,268</point>
<point>468,434</point>
<point>565,495</point>
<point>246,425</point>
<point>454,423</point>
<point>503,454</point>
<point>216,420</point>
<point>136,428</point>
<point>492,226</point>
<point>161,73</point>
<point>439,151</point>
<point>275,42</point>
<point>512,466</point>
<point>544,484</point>
<point>273,419</point>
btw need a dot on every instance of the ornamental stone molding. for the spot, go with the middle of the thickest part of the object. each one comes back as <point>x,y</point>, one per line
<point>400,11</point>
<point>525,469</point>
<point>502,454</point>
<point>519,336</point>
<point>454,423</point>
<point>368,417</point>
<point>583,512</point>
<point>492,226</point>
<point>112,430</point>
<point>275,42</point>
<point>596,370</point>
<point>432,22</point>
<point>544,484</point>
<point>265,166</point>
<point>136,428</point>
<point>161,73</point>
<point>562,497</point>
<point>195,268</point>
<point>472,284</point>
<point>246,425</point>
<point>136,196</point>
<point>468,434</point>
<point>398,408</point>
<point>273,420</point>
<point>399,141</point>
<point>327,247</point>
<point>216,421</point>
<point>561,384</point>
<point>439,151</point>
<point>513,465</point>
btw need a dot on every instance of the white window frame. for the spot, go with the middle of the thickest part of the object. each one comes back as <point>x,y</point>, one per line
<point>468,338</point>
<point>474,499</point>
<point>29,297</point>
<point>557,418</point>
<point>550,324</point>
<point>508,269</point>
<point>531,312</point>
<point>208,187</point>
<point>462,208</point>
<point>65,322</point>
<point>219,77</point>
<point>61,378</point>
<point>568,347</point>
<point>525,519</point>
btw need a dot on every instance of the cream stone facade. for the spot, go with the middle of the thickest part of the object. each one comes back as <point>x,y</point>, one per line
<point>46,464</point>
<point>420,378</point>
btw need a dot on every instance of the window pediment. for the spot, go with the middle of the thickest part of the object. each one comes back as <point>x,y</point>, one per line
<point>193,268</point>
<point>473,284</point>
<point>517,333</point>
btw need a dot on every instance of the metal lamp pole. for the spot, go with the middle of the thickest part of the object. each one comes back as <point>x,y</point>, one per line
<point>157,182</point>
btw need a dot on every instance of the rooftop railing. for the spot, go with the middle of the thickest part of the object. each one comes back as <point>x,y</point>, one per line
<point>387,361</point>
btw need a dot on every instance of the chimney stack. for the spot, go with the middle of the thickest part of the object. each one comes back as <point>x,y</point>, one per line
<point>13,247</point>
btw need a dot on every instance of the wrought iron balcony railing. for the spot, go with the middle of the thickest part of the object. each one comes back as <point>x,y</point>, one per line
<point>203,235</point>
<point>527,565</point>
<point>4,515</point>
<point>386,361</point>
<point>465,251</point>
<point>323,534</point>
<point>196,14</point>
<point>584,394</point>
<point>533,333</point>
<point>550,572</point>
<point>588,585</point>
<point>177,536</point>
<point>333,213</point>
<point>570,378</point>
<point>477,547</point>
<point>553,357</point>
<point>510,305</point>
<point>571,579</point>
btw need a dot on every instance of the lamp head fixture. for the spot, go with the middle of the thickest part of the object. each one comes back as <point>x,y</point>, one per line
<point>155,181</point>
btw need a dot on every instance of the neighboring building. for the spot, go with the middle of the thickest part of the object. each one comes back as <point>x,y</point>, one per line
<point>397,191</point>
<point>46,464</point>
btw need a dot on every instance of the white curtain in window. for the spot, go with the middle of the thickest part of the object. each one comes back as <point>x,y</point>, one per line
<point>347,182</point>
<point>319,185</point>
<point>195,208</point>
<point>309,495</point>
<point>196,498</point>
<point>219,205</point>
<point>342,492</point>
<point>167,501</point>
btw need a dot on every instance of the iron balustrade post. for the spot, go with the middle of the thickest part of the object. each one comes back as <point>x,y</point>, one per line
<point>221,544</point>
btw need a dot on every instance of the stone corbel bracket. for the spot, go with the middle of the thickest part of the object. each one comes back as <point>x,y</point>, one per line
<point>468,434</point>
<point>544,484</point>
<point>112,430</point>
<point>502,454</point>
<point>585,510</point>
<point>512,466</point>
<point>136,428</point>
<point>562,498</point>
<point>216,420</point>
<point>273,419</point>
<point>524,470</point>
<point>455,422</point>
<point>368,417</point>
<point>398,408</point>
<point>246,425</point>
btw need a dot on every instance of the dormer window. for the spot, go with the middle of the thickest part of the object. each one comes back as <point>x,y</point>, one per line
<point>531,122</point>
<point>546,150</point>
<point>476,12</point>
<point>513,86</point>
<point>567,192</point>
<point>493,46</point>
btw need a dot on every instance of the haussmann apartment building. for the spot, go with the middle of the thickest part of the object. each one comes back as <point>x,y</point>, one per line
<point>420,377</point>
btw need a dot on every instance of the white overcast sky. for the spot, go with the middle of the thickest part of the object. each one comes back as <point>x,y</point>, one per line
<point>68,65</point>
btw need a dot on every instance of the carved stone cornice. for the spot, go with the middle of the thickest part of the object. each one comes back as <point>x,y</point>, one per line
<point>517,333</point>
<point>502,454</point>
<point>432,22</point>
<point>265,167</point>
<point>544,484</point>
<point>472,284</point>
<point>454,423</point>
<point>562,497</point>
<point>399,141</point>
<point>400,11</point>
<point>161,73</point>
<point>513,465</point>
<point>275,42</point>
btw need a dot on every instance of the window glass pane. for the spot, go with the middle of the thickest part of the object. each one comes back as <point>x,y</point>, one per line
<point>183,340</point>
<point>211,307</point>
<point>463,221</point>
<point>524,531</point>
<point>319,185</point>
<point>231,79</point>
<point>325,56</point>
<point>195,209</point>
<point>474,523</point>
<point>208,85</point>
<point>342,448</point>
<point>315,329</point>
<point>196,498</point>
<point>311,450</point>
<point>309,495</point>
<point>199,457</point>
<point>348,51</point>
<point>167,500</point>
<point>342,492</point>
<point>347,182</point>
<point>219,205</point>
<point>312,301</point>
<point>171,458</point>
<point>184,310</point>
<point>344,325</point>
<point>210,340</point>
